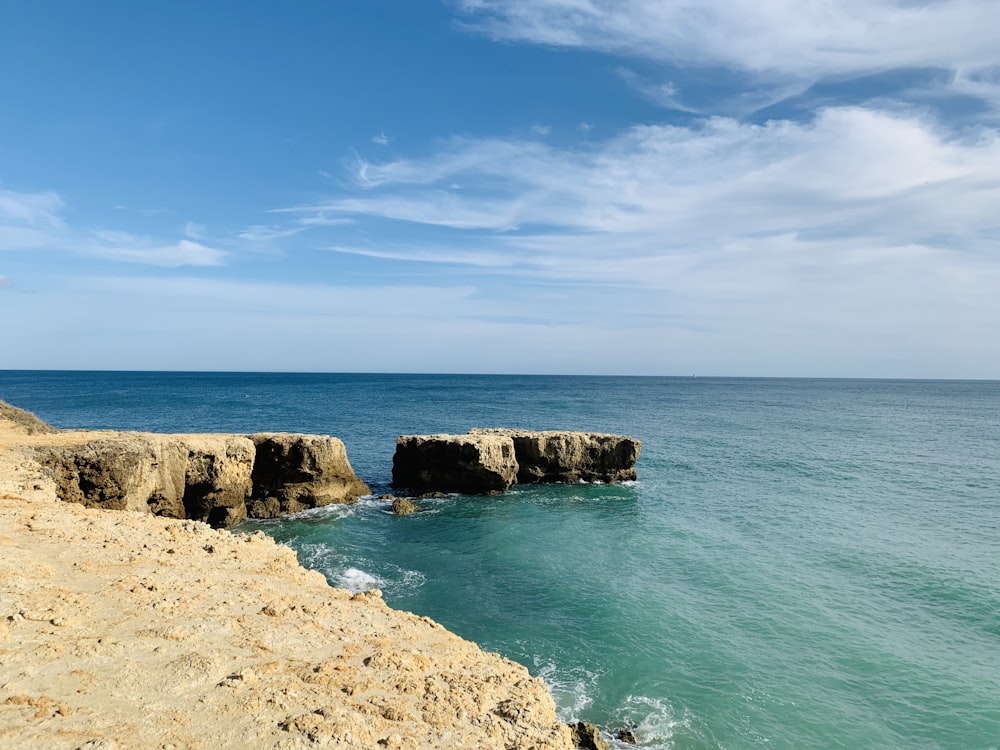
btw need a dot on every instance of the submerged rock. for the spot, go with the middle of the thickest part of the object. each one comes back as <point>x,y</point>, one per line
<point>470,464</point>
<point>403,507</point>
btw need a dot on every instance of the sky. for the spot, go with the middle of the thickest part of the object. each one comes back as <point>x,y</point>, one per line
<point>805,188</point>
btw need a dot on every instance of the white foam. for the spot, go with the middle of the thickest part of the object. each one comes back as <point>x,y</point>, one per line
<point>571,693</point>
<point>357,580</point>
<point>653,721</point>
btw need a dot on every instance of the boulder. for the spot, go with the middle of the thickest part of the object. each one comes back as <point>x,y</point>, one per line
<point>587,736</point>
<point>294,472</point>
<point>481,464</point>
<point>561,456</point>
<point>403,507</point>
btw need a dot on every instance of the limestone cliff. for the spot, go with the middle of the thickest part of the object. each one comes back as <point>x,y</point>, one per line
<point>292,473</point>
<point>126,630</point>
<point>490,460</point>
<point>220,479</point>
<point>471,464</point>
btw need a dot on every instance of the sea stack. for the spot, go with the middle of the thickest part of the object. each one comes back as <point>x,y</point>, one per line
<point>490,460</point>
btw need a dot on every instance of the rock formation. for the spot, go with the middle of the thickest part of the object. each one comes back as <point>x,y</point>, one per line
<point>292,473</point>
<point>218,479</point>
<point>470,464</point>
<point>132,631</point>
<point>560,456</point>
<point>487,461</point>
<point>403,507</point>
<point>587,736</point>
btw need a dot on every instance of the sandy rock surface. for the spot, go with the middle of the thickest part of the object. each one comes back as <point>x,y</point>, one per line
<point>125,630</point>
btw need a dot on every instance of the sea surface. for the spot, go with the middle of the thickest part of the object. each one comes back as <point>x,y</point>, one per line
<point>802,564</point>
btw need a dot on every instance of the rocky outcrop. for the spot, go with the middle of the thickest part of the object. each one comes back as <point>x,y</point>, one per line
<point>487,461</point>
<point>293,473</point>
<point>471,464</point>
<point>201,477</point>
<point>561,456</point>
<point>403,507</point>
<point>218,479</point>
<point>587,736</point>
<point>121,630</point>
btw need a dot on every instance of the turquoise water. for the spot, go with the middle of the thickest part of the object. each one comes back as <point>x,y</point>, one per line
<point>801,564</point>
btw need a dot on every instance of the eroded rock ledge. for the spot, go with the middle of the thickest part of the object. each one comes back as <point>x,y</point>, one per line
<point>219,479</point>
<point>490,460</point>
<point>121,630</point>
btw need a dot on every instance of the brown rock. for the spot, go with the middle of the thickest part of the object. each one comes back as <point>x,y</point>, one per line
<point>293,473</point>
<point>217,480</point>
<point>203,477</point>
<point>120,471</point>
<point>471,464</point>
<point>403,507</point>
<point>587,736</point>
<point>563,456</point>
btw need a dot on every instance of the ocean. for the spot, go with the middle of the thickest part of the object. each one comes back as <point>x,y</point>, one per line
<point>801,564</point>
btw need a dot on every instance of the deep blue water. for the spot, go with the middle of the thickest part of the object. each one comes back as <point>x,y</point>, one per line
<point>802,563</point>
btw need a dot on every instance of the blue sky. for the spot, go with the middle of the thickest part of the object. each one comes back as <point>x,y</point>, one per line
<point>774,188</point>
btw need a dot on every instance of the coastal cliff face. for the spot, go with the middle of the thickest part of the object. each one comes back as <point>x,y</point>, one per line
<point>561,456</point>
<point>292,473</point>
<point>218,479</point>
<point>490,460</point>
<point>130,630</point>
<point>470,464</point>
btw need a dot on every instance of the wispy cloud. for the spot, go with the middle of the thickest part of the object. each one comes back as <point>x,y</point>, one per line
<point>858,220</point>
<point>381,139</point>
<point>129,248</point>
<point>5,282</point>
<point>33,221</point>
<point>783,36</point>
<point>778,47</point>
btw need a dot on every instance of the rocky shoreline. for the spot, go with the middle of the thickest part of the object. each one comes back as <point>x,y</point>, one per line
<point>143,630</point>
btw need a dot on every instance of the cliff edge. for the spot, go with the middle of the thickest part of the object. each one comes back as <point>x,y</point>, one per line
<point>128,630</point>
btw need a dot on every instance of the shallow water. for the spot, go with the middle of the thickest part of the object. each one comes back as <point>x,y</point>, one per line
<point>802,563</point>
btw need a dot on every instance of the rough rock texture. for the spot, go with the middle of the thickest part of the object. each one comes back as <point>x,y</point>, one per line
<point>471,464</point>
<point>293,473</point>
<point>491,460</point>
<point>586,736</point>
<point>132,631</point>
<point>560,456</point>
<point>403,507</point>
<point>219,479</point>
<point>202,477</point>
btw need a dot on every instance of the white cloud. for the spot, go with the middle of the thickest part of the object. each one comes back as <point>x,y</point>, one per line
<point>5,282</point>
<point>32,221</point>
<point>780,36</point>
<point>861,232</point>
<point>381,139</point>
<point>851,171</point>
<point>260,233</point>
<point>131,249</point>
